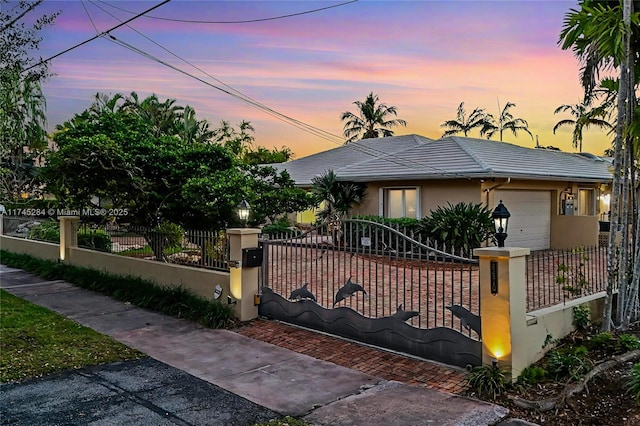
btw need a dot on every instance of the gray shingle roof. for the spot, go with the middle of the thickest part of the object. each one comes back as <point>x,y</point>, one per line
<point>415,157</point>
<point>341,158</point>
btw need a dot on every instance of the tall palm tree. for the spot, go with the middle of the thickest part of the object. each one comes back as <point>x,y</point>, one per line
<point>462,124</point>
<point>505,121</point>
<point>584,117</point>
<point>372,120</point>
<point>606,35</point>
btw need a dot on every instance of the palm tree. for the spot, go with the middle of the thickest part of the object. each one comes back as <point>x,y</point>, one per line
<point>606,35</point>
<point>372,120</point>
<point>338,197</point>
<point>584,118</point>
<point>462,124</point>
<point>505,121</point>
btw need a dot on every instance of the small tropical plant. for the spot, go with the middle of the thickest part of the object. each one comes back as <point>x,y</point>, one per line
<point>581,316</point>
<point>460,227</point>
<point>532,375</point>
<point>628,342</point>
<point>633,385</point>
<point>337,196</point>
<point>164,236</point>
<point>572,277</point>
<point>487,381</point>
<point>603,341</point>
<point>571,362</point>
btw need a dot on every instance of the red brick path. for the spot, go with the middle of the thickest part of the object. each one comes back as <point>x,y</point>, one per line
<point>376,362</point>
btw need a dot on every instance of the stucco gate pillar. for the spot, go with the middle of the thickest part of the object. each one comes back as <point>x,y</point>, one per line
<point>503,307</point>
<point>68,234</point>
<point>243,280</point>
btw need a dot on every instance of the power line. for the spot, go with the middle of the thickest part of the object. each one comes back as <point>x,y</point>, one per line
<point>296,123</point>
<point>242,97</point>
<point>246,21</point>
<point>97,35</point>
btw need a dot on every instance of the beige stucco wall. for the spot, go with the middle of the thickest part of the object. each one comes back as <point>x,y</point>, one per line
<point>433,193</point>
<point>39,249</point>
<point>573,231</point>
<point>551,323</point>
<point>199,281</point>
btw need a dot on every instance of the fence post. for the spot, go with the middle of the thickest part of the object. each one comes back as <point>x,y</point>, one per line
<point>68,234</point>
<point>503,307</point>
<point>243,280</point>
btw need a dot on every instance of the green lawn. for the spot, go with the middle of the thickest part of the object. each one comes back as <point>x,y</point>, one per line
<point>35,342</point>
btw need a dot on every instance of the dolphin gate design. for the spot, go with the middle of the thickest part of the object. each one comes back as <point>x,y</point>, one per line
<point>381,285</point>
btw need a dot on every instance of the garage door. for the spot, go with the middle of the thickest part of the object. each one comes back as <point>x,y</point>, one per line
<point>530,221</point>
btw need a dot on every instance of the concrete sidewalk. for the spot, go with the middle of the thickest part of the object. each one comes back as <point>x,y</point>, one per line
<point>272,377</point>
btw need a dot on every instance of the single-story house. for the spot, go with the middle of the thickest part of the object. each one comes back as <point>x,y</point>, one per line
<point>556,199</point>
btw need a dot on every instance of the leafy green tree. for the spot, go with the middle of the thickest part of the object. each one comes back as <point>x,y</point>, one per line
<point>462,123</point>
<point>584,118</point>
<point>19,39</point>
<point>372,120</point>
<point>116,154</point>
<point>22,105</point>
<point>505,121</point>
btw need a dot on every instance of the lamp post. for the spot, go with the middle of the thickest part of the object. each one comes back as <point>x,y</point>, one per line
<point>501,217</point>
<point>243,211</point>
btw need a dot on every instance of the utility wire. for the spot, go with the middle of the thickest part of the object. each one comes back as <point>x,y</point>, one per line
<point>392,157</point>
<point>240,96</point>
<point>246,21</point>
<point>89,16</point>
<point>97,35</point>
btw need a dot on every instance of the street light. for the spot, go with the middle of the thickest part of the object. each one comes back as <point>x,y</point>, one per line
<point>501,221</point>
<point>243,211</point>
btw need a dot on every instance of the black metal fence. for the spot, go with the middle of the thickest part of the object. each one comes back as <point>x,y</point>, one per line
<point>376,270</point>
<point>557,276</point>
<point>205,249</point>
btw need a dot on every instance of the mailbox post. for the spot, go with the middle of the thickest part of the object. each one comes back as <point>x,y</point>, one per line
<point>245,259</point>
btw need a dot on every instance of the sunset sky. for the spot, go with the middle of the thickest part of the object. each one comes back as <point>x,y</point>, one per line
<point>424,57</point>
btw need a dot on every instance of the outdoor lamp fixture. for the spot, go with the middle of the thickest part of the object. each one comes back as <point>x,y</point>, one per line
<point>500,221</point>
<point>243,210</point>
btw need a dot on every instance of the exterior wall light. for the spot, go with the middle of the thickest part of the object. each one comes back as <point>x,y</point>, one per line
<point>243,211</point>
<point>501,222</point>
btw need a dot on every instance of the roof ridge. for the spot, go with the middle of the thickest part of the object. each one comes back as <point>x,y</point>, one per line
<point>483,165</point>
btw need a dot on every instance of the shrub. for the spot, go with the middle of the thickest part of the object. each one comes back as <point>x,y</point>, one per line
<point>571,362</point>
<point>532,375</point>
<point>633,385</point>
<point>603,341</point>
<point>90,238</point>
<point>175,301</point>
<point>628,342</point>
<point>487,381</point>
<point>281,227</point>
<point>46,231</point>
<point>164,236</point>
<point>95,239</point>
<point>460,227</point>
<point>581,316</point>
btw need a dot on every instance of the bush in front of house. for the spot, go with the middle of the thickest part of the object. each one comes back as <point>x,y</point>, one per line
<point>49,231</point>
<point>174,301</point>
<point>460,227</point>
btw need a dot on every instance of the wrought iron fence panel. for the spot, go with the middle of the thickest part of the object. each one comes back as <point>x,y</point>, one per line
<point>557,276</point>
<point>380,271</point>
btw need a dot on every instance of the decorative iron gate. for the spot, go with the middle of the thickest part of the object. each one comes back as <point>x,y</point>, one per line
<point>369,282</point>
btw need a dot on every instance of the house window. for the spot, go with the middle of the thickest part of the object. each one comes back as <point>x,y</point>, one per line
<point>401,202</point>
<point>586,202</point>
